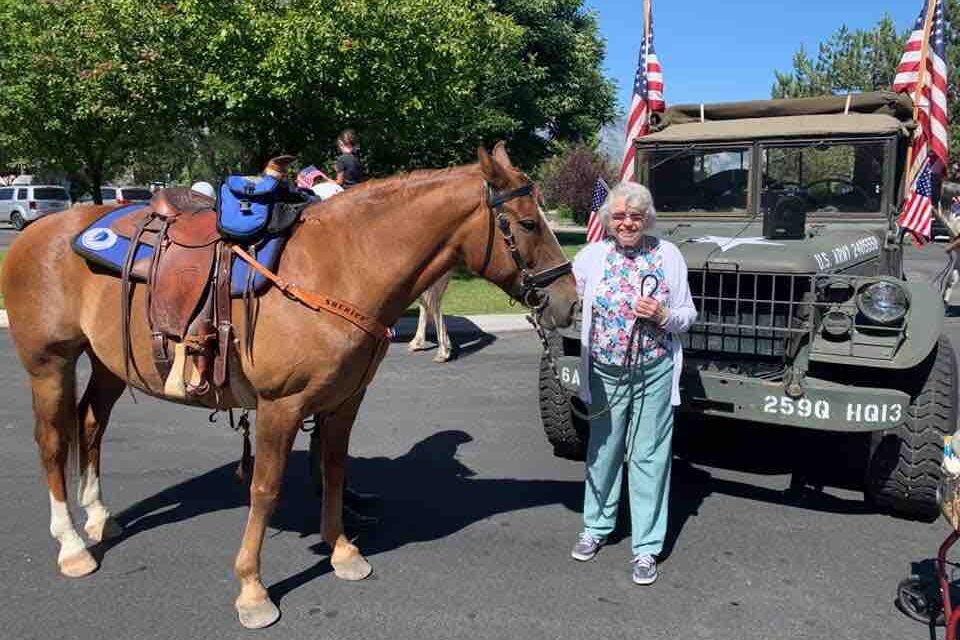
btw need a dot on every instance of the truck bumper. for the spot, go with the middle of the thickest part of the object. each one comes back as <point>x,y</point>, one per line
<point>824,405</point>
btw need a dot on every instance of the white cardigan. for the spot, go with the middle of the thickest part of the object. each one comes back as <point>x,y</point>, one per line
<point>681,313</point>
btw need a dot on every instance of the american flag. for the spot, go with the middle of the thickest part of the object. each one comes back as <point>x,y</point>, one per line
<point>647,96</point>
<point>917,214</point>
<point>595,230</point>
<point>930,140</point>
<point>307,176</point>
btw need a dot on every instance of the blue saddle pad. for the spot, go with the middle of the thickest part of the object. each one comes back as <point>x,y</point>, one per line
<point>101,245</point>
<point>244,205</point>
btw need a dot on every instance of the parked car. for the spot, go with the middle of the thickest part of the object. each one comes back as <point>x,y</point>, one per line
<point>121,195</point>
<point>22,204</point>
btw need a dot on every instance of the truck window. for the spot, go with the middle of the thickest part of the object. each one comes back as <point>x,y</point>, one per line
<point>714,180</point>
<point>823,178</point>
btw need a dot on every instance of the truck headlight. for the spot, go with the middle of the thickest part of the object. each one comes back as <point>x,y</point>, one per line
<point>883,302</point>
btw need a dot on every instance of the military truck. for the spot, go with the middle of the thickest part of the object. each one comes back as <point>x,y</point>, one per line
<point>785,213</point>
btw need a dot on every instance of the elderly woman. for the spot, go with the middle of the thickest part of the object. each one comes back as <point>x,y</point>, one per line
<point>635,302</point>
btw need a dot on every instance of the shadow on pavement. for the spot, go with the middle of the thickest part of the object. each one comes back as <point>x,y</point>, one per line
<point>465,336</point>
<point>428,495</point>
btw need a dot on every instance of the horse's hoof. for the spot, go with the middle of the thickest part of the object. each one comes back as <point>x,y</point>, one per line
<point>417,346</point>
<point>78,565</point>
<point>257,616</point>
<point>441,357</point>
<point>104,530</point>
<point>353,568</point>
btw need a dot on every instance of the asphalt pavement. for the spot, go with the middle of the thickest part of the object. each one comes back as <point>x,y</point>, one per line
<point>478,521</point>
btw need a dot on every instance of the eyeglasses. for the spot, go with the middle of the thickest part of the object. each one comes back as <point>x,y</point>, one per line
<point>634,217</point>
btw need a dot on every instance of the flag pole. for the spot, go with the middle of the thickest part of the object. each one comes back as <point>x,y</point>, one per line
<point>646,25</point>
<point>643,61</point>
<point>910,174</point>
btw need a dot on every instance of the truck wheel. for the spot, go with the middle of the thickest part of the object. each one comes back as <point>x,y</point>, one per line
<point>565,431</point>
<point>904,467</point>
<point>16,219</point>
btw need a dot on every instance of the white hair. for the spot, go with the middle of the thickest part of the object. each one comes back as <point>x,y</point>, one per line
<point>638,200</point>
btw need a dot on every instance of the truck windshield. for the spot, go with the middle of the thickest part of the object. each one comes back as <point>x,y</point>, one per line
<point>823,178</point>
<point>709,180</point>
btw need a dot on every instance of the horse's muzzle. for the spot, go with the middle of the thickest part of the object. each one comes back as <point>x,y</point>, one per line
<point>560,305</point>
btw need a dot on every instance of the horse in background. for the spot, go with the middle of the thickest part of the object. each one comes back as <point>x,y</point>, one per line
<point>944,210</point>
<point>431,312</point>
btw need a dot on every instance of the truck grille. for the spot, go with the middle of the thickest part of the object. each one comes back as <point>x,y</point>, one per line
<point>747,313</point>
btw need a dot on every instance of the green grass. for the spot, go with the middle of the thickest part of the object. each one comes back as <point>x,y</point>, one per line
<point>472,295</point>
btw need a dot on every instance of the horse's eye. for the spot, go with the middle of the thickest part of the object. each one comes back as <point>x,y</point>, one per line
<point>528,224</point>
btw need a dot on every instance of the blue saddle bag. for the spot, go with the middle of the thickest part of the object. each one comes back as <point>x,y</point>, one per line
<point>244,206</point>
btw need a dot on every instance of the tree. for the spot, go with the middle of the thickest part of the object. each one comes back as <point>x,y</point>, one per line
<point>85,81</point>
<point>103,83</point>
<point>569,177</point>
<point>563,96</point>
<point>861,60</point>
<point>866,60</point>
<point>423,81</point>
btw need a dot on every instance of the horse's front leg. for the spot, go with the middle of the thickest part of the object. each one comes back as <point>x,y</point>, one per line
<point>348,563</point>
<point>102,393</point>
<point>275,431</point>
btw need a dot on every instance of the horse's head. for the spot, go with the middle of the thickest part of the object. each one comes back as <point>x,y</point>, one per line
<point>523,256</point>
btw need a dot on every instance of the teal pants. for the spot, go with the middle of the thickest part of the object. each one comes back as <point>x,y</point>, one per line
<point>639,432</point>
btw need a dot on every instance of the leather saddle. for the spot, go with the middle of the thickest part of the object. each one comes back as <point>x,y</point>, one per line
<point>188,282</point>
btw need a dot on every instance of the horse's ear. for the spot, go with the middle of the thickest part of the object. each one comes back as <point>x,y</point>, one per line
<point>500,155</point>
<point>491,169</point>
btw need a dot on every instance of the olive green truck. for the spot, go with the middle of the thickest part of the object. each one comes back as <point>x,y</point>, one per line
<point>785,213</point>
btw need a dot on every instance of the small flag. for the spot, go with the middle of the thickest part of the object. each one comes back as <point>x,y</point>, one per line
<point>307,176</point>
<point>917,215</point>
<point>595,230</point>
<point>922,72</point>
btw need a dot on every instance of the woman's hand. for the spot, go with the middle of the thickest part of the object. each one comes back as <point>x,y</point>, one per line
<point>650,309</point>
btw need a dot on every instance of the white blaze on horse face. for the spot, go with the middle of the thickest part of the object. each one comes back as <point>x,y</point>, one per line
<point>90,498</point>
<point>61,528</point>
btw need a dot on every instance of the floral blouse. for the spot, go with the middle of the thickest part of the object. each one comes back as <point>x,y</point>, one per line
<point>613,306</point>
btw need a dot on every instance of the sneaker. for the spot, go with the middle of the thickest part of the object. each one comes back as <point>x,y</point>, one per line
<point>644,569</point>
<point>586,547</point>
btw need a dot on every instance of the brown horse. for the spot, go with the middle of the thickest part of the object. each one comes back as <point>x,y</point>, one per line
<point>377,246</point>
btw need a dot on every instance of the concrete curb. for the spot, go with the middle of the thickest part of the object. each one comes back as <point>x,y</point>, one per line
<point>469,325</point>
<point>456,325</point>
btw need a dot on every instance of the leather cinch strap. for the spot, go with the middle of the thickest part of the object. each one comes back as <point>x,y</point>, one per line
<point>316,302</point>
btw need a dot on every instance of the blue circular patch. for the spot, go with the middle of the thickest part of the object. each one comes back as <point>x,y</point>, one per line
<point>98,238</point>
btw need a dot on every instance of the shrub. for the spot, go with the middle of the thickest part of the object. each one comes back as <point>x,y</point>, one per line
<point>568,179</point>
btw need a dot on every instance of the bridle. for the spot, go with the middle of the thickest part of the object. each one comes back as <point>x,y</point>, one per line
<point>532,284</point>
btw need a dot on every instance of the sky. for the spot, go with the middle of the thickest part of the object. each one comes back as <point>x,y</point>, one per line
<point>722,51</point>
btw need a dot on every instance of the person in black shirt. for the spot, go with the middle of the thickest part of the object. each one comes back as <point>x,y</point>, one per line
<point>349,169</point>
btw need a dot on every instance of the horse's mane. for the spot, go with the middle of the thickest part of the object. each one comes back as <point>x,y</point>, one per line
<point>377,190</point>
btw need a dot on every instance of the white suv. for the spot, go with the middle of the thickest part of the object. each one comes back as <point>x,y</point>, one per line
<point>23,203</point>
